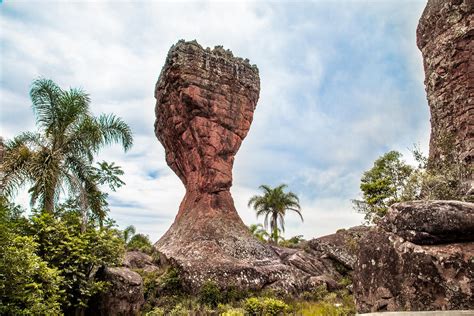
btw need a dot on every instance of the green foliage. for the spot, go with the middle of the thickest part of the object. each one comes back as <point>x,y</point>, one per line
<point>170,282</point>
<point>76,254</point>
<point>128,232</point>
<point>179,310</point>
<point>321,303</point>
<point>292,242</point>
<point>383,185</point>
<point>210,294</point>
<point>265,306</point>
<point>258,231</point>
<point>140,242</point>
<point>273,205</point>
<point>157,311</point>
<point>253,306</point>
<point>28,286</point>
<point>391,180</point>
<point>443,178</point>
<point>233,312</point>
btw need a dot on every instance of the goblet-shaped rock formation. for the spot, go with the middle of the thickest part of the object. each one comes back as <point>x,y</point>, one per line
<point>205,101</point>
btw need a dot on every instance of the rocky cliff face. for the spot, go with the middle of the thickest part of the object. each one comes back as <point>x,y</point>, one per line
<point>419,258</point>
<point>205,101</point>
<point>445,37</point>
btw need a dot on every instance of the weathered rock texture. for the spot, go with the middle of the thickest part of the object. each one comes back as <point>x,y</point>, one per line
<point>123,297</point>
<point>139,260</point>
<point>342,246</point>
<point>205,101</point>
<point>418,259</point>
<point>445,37</point>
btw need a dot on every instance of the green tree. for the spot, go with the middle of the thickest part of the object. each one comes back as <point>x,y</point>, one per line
<point>258,231</point>
<point>140,242</point>
<point>61,153</point>
<point>128,232</point>
<point>273,205</point>
<point>383,185</point>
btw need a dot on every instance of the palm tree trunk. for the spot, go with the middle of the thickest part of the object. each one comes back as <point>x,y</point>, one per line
<point>274,227</point>
<point>48,203</point>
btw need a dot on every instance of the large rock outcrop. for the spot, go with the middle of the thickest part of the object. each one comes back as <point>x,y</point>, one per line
<point>205,101</point>
<point>124,296</point>
<point>445,37</point>
<point>421,257</point>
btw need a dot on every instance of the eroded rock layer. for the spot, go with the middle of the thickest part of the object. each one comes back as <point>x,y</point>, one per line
<point>445,37</point>
<point>418,259</point>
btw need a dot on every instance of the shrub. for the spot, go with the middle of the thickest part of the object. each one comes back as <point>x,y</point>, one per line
<point>157,311</point>
<point>76,255</point>
<point>265,306</point>
<point>170,282</point>
<point>233,312</point>
<point>140,242</point>
<point>273,307</point>
<point>210,294</point>
<point>27,285</point>
<point>179,310</point>
<point>253,306</point>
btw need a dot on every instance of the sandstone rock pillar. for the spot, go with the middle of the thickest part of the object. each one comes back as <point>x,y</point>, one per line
<point>445,36</point>
<point>205,101</point>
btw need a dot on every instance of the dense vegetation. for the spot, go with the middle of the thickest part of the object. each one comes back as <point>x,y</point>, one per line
<point>48,260</point>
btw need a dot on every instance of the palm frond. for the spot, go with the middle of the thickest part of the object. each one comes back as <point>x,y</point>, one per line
<point>115,130</point>
<point>45,96</point>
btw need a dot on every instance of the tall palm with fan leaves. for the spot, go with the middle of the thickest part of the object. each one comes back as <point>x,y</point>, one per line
<point>59,156</point>
<point>273,204</point>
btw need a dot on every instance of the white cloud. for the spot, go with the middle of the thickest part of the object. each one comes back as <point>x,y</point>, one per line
<point>330,101</point>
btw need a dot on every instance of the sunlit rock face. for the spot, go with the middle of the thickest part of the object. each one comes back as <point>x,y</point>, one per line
<point>445,37</point>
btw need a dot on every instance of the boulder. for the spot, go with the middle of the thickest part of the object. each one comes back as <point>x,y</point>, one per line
<point>431,222</point>
<point>342,246</point>
<point>139,260</point>
<point>123,297</point>
<point>393,273</point>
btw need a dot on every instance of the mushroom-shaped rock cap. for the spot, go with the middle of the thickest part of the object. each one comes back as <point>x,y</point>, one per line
<point>205,101</point>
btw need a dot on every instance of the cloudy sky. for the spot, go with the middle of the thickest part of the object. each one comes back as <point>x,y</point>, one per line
<point>341,84</point>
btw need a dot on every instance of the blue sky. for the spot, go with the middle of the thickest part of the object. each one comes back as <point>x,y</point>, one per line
<point>341,84</point>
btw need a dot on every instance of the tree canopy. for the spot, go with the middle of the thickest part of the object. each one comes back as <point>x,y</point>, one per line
<point>58,157</point>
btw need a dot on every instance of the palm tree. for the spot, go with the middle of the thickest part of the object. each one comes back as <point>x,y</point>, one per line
<point>58,158</point>
<point>273,204</point>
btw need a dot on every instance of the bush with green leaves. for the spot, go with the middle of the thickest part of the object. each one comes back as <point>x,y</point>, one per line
<point>140,242</point>
<point>265,306</point>
<point>76,255</point>
<point>170,282</point>
<point>28,286</point>
<point>210,294</point>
